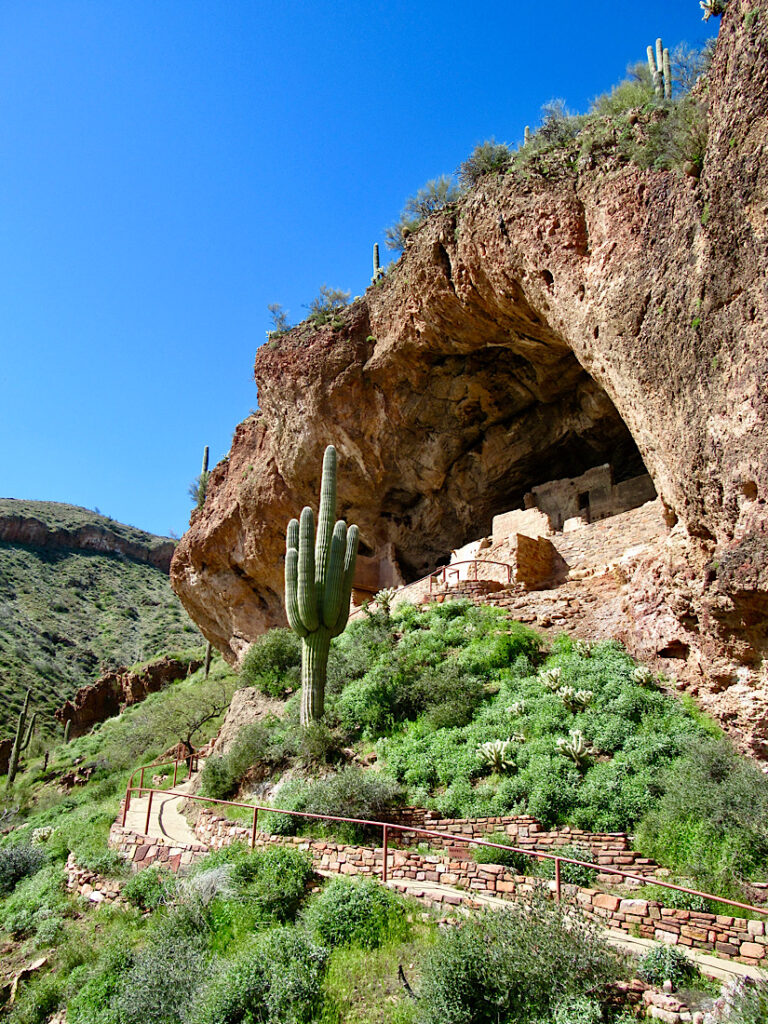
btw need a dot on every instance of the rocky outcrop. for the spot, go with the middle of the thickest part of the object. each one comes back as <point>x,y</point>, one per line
<point>30,523</point>
<point>116,690</point>
<point>541,326</point>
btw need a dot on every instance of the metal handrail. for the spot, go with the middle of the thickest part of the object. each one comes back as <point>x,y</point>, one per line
<point>386,827</point>
<point>445,570</point>
<point>191,758</point>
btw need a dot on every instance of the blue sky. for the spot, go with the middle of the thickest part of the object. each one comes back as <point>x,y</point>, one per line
<point>170,167</point>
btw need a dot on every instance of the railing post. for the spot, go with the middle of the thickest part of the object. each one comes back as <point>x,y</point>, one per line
<point>149,811</point>
<point>141,783</point>
<point>175,770</point>
<point>253,830</point>
<point>385,834</point>
<point>127,803</point>
<point>557,879</point>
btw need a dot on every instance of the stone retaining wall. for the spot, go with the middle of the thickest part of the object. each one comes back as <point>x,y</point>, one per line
<point>728,937</point>
<point>611,849</point>
<point>142,851</point>
<point>90,885</point>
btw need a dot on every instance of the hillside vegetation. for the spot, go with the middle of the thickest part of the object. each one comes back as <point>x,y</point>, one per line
<point>66,612</point>
<point>468,714</point>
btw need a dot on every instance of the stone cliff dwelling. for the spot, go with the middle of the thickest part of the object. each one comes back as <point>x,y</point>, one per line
<point>568,527</point>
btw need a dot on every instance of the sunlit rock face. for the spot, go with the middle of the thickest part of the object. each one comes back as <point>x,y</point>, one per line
<point>538,328</point>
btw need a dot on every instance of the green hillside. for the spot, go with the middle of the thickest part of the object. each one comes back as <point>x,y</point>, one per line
<point>65,612</point>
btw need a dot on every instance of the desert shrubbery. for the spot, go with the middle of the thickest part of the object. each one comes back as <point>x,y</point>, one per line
<point>520,964</point>
<point>362,912</point>
<point>273,663</point>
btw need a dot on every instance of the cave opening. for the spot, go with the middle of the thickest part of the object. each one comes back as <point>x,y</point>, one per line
<point>501,428</point>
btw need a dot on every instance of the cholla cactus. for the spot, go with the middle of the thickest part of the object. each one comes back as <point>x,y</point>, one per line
<point>583,648</point>
<point>384,599</point>
<point>712,8</point>
<point>496,755</point>
<point>643,675</point>
<point>576,748</point>
<point>575,700</point>
<point>550,678</point>
<point>517,709</point>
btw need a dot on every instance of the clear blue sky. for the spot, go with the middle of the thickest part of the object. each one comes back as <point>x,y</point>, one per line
<point>170,167</point>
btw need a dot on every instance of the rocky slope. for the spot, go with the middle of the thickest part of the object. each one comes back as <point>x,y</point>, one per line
<point>78,591</point>
<point>546,323</point>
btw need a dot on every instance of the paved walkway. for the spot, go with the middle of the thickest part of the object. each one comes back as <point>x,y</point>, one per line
<point>446,895</point>
<point>165,820</point>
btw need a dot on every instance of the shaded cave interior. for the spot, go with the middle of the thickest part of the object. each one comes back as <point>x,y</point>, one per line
<point>493,430</point>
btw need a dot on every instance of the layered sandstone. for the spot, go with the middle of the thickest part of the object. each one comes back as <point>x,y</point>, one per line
<point>542,326</point>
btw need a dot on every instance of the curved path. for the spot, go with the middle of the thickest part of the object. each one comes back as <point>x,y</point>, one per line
<point>167,821</point>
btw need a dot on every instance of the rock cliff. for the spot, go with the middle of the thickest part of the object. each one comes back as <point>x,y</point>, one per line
<point>115,691</point>
<point>51,524</point>
<point>542,325</point>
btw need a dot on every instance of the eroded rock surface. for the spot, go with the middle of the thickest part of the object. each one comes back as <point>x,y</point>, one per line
<point>541,326</point>
<point>114,691</point>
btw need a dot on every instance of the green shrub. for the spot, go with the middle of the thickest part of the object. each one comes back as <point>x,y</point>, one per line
<point>325,307</point>
<point>34,900</point>
<point>272,664</point>
<point>436,194</point>
<point>160,983</point>
<point>666,963</point>
<point>489,157</point>
<point>357,913</point>
<point>573,874</point>
<point>256,743</point>
<point>150,888</point>
<point>217,779</point>
<point>318,746</point>
<point>710,822</point>
<point>514,964</point>
<point>350,793</point>
<point>280,880</point>
<point>518,862</point>
<point>17,862</point>
<point>274,878</point>
<point>276,979</point>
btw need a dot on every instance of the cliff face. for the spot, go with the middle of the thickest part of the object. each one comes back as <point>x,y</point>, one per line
<point>541,326</point>
<point>49,524</point>
<point>115,691</point>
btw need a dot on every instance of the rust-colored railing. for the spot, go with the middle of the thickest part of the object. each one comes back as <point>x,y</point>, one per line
<point>443,575</point>
<point>387,827</point>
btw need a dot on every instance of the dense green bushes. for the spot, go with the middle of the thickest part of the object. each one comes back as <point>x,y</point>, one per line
<point>361,913</point>
<point>276,979</point>
<point>350,793</point>
<point>17,862</point>
<point>516,965</point>
<point>666,963</point>
<point>273,663</point>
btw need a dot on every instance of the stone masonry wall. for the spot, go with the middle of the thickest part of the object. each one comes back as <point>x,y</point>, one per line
<point>601,543</point>
<point>730,937</point>
<point>610,849</point>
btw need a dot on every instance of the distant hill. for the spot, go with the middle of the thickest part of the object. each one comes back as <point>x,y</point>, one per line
<point>78,592</point>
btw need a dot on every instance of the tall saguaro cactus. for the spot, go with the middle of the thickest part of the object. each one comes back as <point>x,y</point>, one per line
<point>661,71</point>
<point>318,584</point>
<point>21,742</point>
